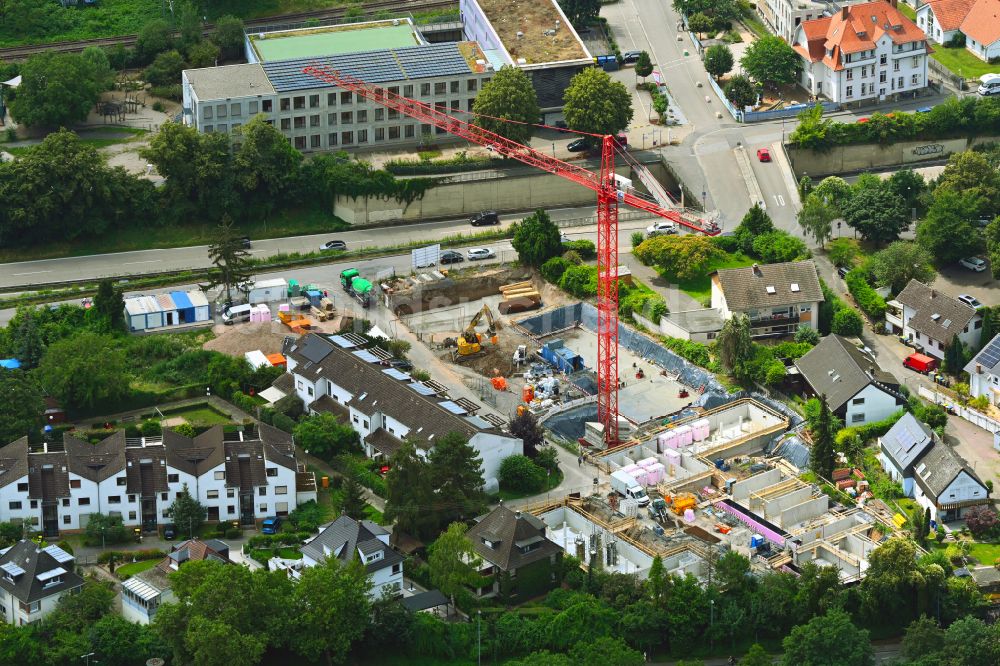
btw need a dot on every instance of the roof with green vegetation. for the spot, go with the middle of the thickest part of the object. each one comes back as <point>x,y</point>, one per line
<point>333,40</point>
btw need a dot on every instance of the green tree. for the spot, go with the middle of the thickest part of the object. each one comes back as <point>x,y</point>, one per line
<point>757,656</point>
<point>22,407</point>
<point>947,233</point>
<point>453,563</point>
<point>816,218</point>
<point>353,504</point>
<point>741,91</point>
<point>202,54</point>
<point>899,263</point>
<point>971,173</point>
<point>536,239</point>
<point>813,131</point>
<point>604,651</point>
<point>718,60</point>
<point>923,638</point>
<point>525,427</point>
<point>971,642</point>
<point>124,643</point>
<point>821,457</point>
<point>955,357</point>
<point>188,22</point>
<point>211,641</point>
<point>755,223</point>
<point>155,37</point>
<point>187,512</point>
<point>581,12</point>
<point>658,583</point>
<point>84,370</point>
<point>779,246</point>
<point>771,61</point>
<point>908,185</point>
<point>100,66</point>
<point>324,436</point>
<point>681,257</point>
<point>701,24</point>
<point>228,36</point>
<point>805,187</point>
<point>456,471</point>
<point>834,191</point>
<point>102,530</point>
<point>992,235</point>
<point>266,165</point>
<point>410,493</point>
<point>807,334</point>
<point>56,89</point>
<point>877,214</point>
<point>596,104</point>
<point>197,167</point>
<point>110,305</point>
<point>847,322</point>
<point>520,475</point>
<point>828,640</point>
<point>166,69</point>
<point>508,105</point>
<point>332,609</point>
<point>734,346</point>
<point>644,65</point>
<point>231,261</point>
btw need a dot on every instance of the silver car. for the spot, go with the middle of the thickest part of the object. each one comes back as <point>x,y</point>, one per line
<point>481,253</point>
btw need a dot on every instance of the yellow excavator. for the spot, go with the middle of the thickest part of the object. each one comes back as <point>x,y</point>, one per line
<point>470,342</point>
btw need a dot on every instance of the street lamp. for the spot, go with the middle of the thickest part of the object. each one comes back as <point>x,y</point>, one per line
<point>479,641</point>
<point>87,657</point>
<point>711,621</point>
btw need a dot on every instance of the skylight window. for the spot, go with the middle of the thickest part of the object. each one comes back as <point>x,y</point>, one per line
<point>771,289</point>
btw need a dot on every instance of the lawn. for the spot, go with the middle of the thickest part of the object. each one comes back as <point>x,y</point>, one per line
<point>101,137</point>
<point>962,62</point>
<point>907,11</point>
<point>201,414</point>
<point>986,553</point>
<point>700,288</point>
<point>132,568</point>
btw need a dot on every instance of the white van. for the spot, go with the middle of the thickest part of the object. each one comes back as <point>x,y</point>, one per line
<point>989,84</point>
<point>236,313</point>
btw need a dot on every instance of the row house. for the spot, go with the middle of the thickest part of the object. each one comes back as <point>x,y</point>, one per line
<point>335,374</point>
<point>864,53</point>
<point>245,476</point>
<point>977,21</point>
<point>777,298</point>
<point>930,320</point>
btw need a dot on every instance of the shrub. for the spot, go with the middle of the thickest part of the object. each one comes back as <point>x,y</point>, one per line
<point>580,281</point>
<point>185,430</point>
<point>553,269</point>
<point>982,521</point>
<point>234,533</point>
<point>695,352</point>
<point>865,296</point>
<point>636,238</point>
<point>158,106</point>
<point>244,402</point>
<point>806,333</point>
<point>572,257</point>
<point>172,92</point>
<point>847,322</point>
<point>779,246</point>
<point>520,475</point>
<point>124,555</point>
<point>728,244</point>
<point>584,248</point>
<point>283,422</point>
<point>869,431</point>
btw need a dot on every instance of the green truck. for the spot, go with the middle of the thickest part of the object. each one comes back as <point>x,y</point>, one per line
<point>356,286</point>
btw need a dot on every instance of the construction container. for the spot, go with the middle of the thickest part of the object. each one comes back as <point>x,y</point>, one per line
<point>267,291</point>
<point>293,288</point>
<point>647,462</point>
<point>668,440</point>
<point>256,359</point>
<point>655,473</point>
<point>846,483</point>
<point>314,296</point>
<point>277,360</point>
<point>841,474</point>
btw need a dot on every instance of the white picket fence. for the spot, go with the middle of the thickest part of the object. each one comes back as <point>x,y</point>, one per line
<point>972,416</point>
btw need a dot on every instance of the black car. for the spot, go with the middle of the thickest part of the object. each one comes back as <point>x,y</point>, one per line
<point>245,242</point>
<point>842,271</point>
<point>578,145</point>
<point>170,532</point>
<point>485,218</point>
<point>452,257</point>
<point>630,57</point>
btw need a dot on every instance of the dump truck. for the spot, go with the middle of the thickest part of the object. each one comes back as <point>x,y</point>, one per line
<point>355,285</point>
<point>625,485</point>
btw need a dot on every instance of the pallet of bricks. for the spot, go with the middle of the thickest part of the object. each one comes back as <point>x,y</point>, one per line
<point>519,297</point>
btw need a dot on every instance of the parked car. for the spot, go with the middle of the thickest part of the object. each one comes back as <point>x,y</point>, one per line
<point>333,245</point>
<point>401,364</point>
<point>862,121</point>
<point>970,300</point>
<point>660,228</point>
<point>578,145</point>
<point>973,264</point>
<point>560,124</point>
<point>451,257</point>
<point>984,221</point>
<point>925,109</point>
<point>564,238</point>
<point>170,532</point>
<point>271,525</point>
<point>763,154</point>
<point>630,57</point>
<point>485,218</point>
<point>842,271</point>
<point>245,242</point>
<point>481,253</point>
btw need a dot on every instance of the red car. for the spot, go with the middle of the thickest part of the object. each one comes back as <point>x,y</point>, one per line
<point>764,155</point>
<point>863,120</point>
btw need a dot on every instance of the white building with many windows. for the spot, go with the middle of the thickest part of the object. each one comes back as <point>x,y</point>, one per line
<point>866,52</point>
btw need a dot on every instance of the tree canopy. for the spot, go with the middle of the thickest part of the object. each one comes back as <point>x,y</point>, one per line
<point>898,263</point>
<point>718,60</point>
<point>734,345</point>
<point>828,640</point>
<point>509,96</point>
<point>597,104</point>
<point>877,214</point>
<point>57,89</point>
<point>771,61</point>
<point>536,239</point>
<point>682,257</point>
<point>741,91</point>
<point>947,233</point>
<point>324,436</point>
<point>231,260</point>
<point>187,512</point>
<point>22,407</point>
<point>816,218</point>
<point>84,370</point>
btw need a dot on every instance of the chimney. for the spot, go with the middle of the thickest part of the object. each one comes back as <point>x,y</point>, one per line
<point>517,515</point>
<point>843,13</point>
<point>757,271</point>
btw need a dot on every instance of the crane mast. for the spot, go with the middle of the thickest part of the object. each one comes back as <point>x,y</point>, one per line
<point>609,196</point>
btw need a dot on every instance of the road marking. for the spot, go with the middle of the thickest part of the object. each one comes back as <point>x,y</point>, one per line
<point>151,261</point>
<point>778,199</point>
<point>32,273</point>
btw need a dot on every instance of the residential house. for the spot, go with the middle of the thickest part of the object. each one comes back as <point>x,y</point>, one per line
<point>901,447</point>
<point>981,28</point>
<point>523,561</point>
<point>33,580</point>
<point>941,19</point>
<point>946,485</point>
<point>346,539</point>
<point>984,372</point>
<point>930,320</point>
<point>245,475</point>
<point>696,325</point>
<point>143,593</point>
<point>864,53</point>
<point>857,390</point>
<point>778,298</point>
<point>784,16</point>
<point>336,374</point>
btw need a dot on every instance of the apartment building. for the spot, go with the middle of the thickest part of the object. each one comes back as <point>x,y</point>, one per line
<point>865,52</point>
<point>778,298</point>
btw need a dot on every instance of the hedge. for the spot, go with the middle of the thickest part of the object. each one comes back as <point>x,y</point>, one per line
<point>870,431</point>
<point>457,164</point>
<point>123,555</point>
<point>865,296</point>
<point>244,402</point>
<point>350,466</point>
<point>695,352</point>
<point>585,248</point>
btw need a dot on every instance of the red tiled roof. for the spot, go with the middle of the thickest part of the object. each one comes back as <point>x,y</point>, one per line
<point>950,13</point>
<point>983,22</point>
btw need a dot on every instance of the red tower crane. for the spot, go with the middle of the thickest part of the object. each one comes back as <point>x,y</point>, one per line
<point>609,196</point>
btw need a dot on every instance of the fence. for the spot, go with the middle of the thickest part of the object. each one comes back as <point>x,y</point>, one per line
<point>737,115</point>
<point>788,112</point>
<point>947,75</point>
<point>972,416</point>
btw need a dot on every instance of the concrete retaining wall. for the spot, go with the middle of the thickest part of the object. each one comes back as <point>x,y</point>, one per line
<point>865,157</point>
<point>806,511</point>
<point>742,489</point>
<point>773,508</point>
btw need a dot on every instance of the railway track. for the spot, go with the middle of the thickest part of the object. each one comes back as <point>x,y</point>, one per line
<point>15,53</point>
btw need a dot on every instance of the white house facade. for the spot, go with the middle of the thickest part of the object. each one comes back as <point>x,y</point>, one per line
<point>984,372</point>
<point>930,319</point>
<point>901,447</point>
<point>941,20</point>
<point>33,580</point>
<point>345,539</point>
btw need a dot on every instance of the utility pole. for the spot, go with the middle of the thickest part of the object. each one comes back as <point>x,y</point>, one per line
<point>479,639</point>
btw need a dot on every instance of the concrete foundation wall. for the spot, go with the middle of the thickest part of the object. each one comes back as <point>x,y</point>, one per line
<point>864,157</point>
<point>561,518</point>
<point>805,511</point>
<point>776,506</point>
<point>742,489</point>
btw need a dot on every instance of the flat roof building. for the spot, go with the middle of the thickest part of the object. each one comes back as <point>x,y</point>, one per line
<point>331,40</point>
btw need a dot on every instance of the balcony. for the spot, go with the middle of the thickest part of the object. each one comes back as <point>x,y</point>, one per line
<point>774,320</point>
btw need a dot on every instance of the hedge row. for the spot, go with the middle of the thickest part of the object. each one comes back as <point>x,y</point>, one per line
<point>695,352</point>
<point>122,555</point>
<point>458,164</point>
<point>865,296</point>
<point>283,539</point>
<point>870,431</point>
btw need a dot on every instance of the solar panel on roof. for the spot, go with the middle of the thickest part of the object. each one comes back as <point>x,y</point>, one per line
<point>342,342</point>
<point>482,424</point>
<point>421,389</point>
<point>365,356</point>
<point>990,355</point>
<point>48,575</point>
<point>316,351</point>
<point>452,407</point>
<point>396,374</point>
<point>380,353</point>
<point>12,569</point>
<point>58,554</point>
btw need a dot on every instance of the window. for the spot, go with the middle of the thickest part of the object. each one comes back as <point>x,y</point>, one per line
<point>281,490</point>
<point>977,325</point>
<point>346,98</point>
<point>272,471</point>
<point>915,61</point>
<point>73,483</point>
<point>220,111</point>
<point>67,520</point>
<point>223,128</point>
<point>15,506</point>
<point>396,568</point>
<point>262,491</point>
<point>131,515</point>
<point>230,492</point>
<point>33,607</point>
<point>408,131</point>
<point>850,75</point>
<point>850,91</point>
<point>331,99</point>
<point>281,508</point>
<point>915,79</point>
<point>212,494</point>
<point>65,501</point>
<point>267,106</point>
<point>114,499</point>
<point>230,509</point>
<point>300,144</point>
<point>454,87</point>
<point>379,134</point>
<point>236,109</point>
<point>471,85</point>
<point>455,104</point>
<point>263,508</point>
<point>286,123</point>
<point>362,116</point>
<point>331,139</point>
<point>469,103</point>
<point>407,91</point>
<point>164,513</point>
<point>314,141</point>
<point>208,113</point>
<point>362,138</point>
<point>121,480</point>
<point>331,119</point>
<point>374,557</point>
<point>313,101</point>
<point>394,132</point>
<point>857,418</point>
<point>286,104</point>
<point>881,77</point>
<point>379,115</point>
<point>34,504</point>
<point>393,90</point>
<point>164,497</point>
<point>131,499</point>
<point>425,89</point>
<point>883,60</point>
<point>441,106</point>
<point>366,425</point>
<point>858,401</point>
<point>299,122</point>
<point>440,88</point>
<point>393,114</point>
<point>314,121</point>
<point>23,487</point>
<point>299,102</point>
<point>220,475</point>
<point>347,118</point>
<point>253,108</point>
<point>895,65</point>
<point>899,82</point>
